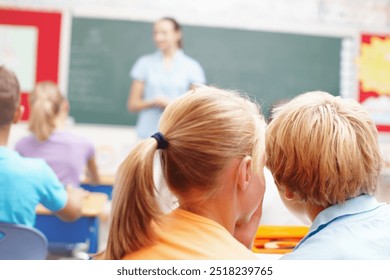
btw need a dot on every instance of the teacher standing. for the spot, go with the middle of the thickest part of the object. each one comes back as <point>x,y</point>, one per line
<point>162,76</point>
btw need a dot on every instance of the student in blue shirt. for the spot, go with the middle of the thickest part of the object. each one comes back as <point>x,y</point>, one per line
<point>323,153</point>
<point>162,76</point>
<point>27,182</point>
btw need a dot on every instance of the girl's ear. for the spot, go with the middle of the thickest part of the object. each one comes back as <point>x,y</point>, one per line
<point>245,172</point>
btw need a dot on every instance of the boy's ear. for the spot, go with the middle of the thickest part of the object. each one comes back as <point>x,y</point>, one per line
<point>18,114</point>
<point>289,195</point>
<point>245,172</point>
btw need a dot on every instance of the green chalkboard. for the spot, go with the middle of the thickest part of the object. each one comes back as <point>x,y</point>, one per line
<point>268,66</point>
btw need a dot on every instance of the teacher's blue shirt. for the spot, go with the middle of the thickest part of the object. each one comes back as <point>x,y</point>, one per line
<point>161,81</point>
<point>356,229</point>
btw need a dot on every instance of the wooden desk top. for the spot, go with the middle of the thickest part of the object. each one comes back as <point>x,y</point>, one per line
<point>93,205</point>
<point>104,180</point>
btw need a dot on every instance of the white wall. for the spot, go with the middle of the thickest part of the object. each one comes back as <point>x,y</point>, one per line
<point>333,15</point>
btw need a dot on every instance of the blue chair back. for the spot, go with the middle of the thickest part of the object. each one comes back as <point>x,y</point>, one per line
<point>64,237</point>
<point>19,242</point>
<point>107,189</point>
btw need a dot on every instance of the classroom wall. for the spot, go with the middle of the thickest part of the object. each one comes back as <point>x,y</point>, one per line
<point>342,18</point>
<point>337,16</point>
<point>345,18</point>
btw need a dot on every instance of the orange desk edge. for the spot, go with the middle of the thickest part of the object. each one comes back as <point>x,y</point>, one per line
<point>104,180</point>
<point>93,205</point>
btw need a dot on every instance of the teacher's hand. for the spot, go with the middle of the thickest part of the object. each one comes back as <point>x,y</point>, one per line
<point>161,102</point>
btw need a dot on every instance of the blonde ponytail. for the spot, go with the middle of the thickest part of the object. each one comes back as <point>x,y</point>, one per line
<point>135,207</point>
<point>205,132</point>
<point>45,102</point>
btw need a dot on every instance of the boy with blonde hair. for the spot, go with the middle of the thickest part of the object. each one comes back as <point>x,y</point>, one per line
<point>323,153</point>
<point>26,182</point>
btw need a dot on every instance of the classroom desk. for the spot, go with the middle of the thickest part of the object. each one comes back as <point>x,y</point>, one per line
<point>275,240</point>
<point>105,186</point>
<point>105,180</point>
<point>83,230</point>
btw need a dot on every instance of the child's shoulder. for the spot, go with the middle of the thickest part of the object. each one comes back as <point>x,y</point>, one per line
<point>27,163</point>
<point>71,138</point>
<point>67,135</point>
<point>26,140</point>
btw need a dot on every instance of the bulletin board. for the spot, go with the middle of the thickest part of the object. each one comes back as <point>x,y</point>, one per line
<point>46,46</point>
<point>374,78</point>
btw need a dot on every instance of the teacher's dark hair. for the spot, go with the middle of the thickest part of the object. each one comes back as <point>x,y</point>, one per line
<point>176,27</point>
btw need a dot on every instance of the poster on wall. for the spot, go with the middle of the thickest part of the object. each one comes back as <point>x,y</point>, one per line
<point>374,78</point>
<point>18,51</point>
<point>29,45</point>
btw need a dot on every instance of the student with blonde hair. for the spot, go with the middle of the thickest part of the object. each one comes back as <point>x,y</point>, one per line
<point>323,153</point>
<point>211,144</point>
<point>27,182</point>
<point>66,153</point>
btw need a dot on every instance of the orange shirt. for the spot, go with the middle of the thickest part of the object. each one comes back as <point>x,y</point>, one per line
<point>187,236</point>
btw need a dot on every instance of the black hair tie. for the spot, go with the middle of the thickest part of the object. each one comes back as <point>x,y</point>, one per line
<point>161,141</point>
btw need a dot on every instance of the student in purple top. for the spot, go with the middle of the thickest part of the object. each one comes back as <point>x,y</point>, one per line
<point>66,153</point>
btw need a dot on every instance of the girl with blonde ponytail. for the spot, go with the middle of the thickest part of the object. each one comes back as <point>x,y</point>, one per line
<point>66,153</point>
<point>211,145</point>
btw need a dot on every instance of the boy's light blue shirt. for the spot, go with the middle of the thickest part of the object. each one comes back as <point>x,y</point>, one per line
<point>160,81</point>
<point>24,183</point>
<point>356,229</point>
